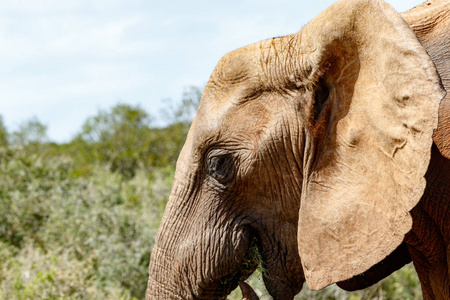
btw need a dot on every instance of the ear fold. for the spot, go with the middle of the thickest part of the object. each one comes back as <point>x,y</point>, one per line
<point>369,139</point>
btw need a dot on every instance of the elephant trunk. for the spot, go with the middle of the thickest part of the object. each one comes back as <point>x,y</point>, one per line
<point>164,282</point>
<point>160,285</point>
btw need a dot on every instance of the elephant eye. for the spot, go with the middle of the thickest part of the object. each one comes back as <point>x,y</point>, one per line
<point>219,167</point>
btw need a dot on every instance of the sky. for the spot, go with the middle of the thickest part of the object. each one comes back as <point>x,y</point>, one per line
<point>63,61</point>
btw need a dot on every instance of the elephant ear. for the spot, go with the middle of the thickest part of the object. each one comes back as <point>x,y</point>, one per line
<point>374,100</point>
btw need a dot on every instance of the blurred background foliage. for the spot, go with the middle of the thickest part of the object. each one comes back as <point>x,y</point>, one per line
<point>78,220</point>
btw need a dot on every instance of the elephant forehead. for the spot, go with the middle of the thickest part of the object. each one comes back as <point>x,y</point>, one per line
<point>249,71</point>
<point>227,119</point>
<point>243,92</point>
<point>234,83</point>
<point>236,66</point>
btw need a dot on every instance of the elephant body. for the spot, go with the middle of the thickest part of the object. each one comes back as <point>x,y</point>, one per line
<point>313,151</point>
<point>429,240</point>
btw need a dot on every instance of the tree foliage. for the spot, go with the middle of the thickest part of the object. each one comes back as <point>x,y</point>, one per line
<point>119,138</point>
<point>3,133</point>
<point>31,132</point>
<point>124,139</point>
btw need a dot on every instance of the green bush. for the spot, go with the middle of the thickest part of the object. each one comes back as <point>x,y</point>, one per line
<point>75,238</point>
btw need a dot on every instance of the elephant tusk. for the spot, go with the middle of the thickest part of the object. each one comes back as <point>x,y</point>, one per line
<point>247,292</point>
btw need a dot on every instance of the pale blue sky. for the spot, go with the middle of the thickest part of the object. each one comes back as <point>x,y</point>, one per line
<point>62,61</point>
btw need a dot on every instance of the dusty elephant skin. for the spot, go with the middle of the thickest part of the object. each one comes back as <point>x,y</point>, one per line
<point>313,151</point>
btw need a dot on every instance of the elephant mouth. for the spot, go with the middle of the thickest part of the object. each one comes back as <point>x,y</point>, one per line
<point>249,263</point>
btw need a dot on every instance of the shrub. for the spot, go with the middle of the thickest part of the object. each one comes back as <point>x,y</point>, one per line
<point>80,238</point>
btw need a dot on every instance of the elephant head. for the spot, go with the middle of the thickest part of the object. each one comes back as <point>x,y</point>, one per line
<point>310,149</point>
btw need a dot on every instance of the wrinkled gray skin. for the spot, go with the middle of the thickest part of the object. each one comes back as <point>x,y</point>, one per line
<point>289,155</point>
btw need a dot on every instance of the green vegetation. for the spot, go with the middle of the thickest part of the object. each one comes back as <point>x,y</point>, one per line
<point>76,237</point>
<point>78,220</point>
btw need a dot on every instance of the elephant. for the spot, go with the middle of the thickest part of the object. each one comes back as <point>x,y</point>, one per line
<point>324,153</point>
